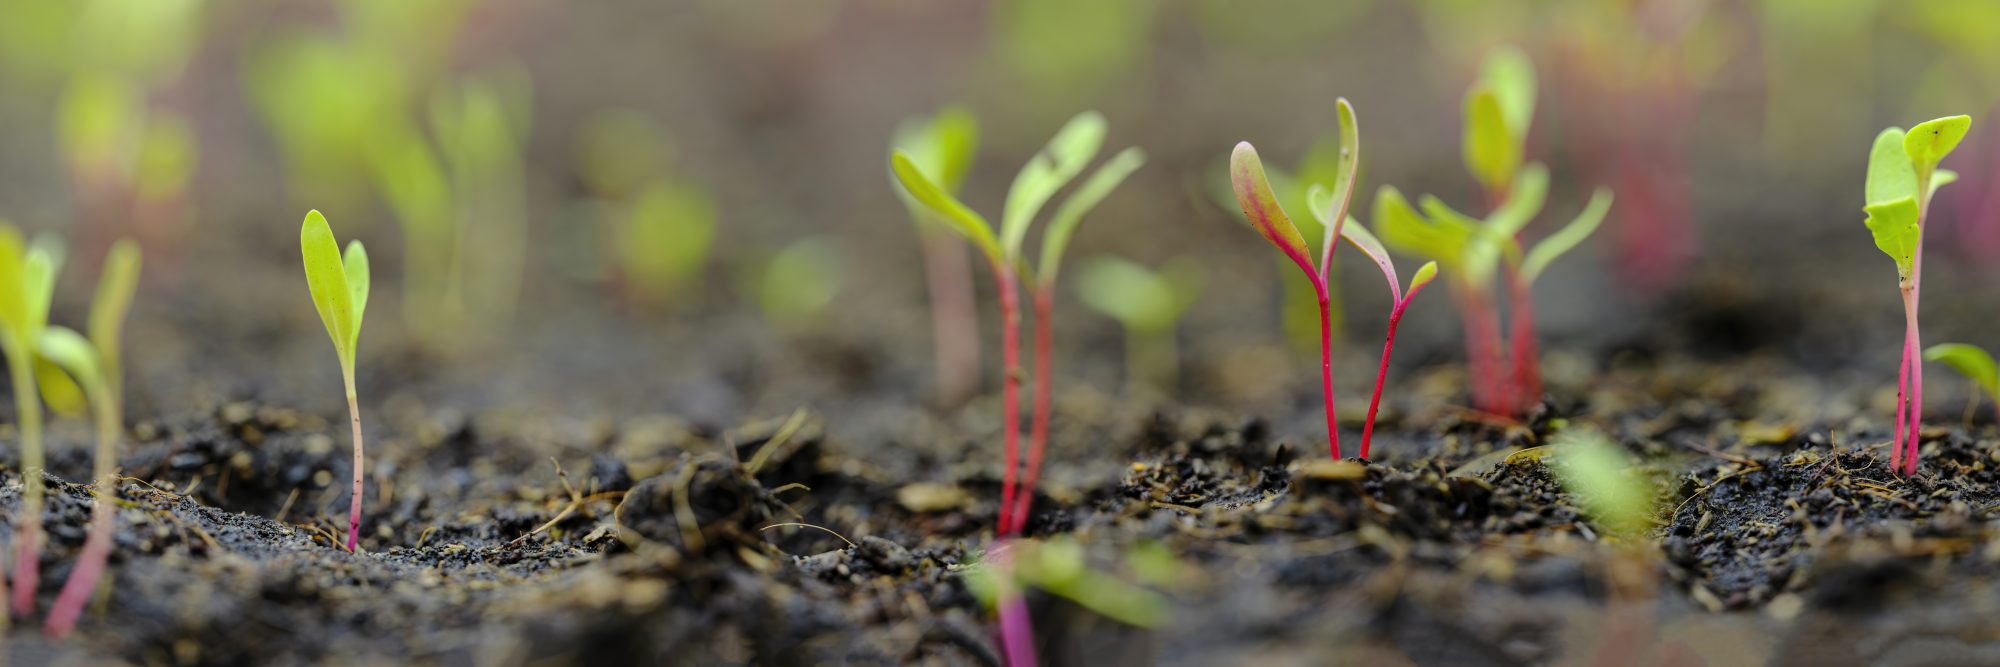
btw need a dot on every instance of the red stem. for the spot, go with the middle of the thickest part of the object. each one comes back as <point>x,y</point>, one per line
<point>1526,351</point>
<point>90,565</point>
<point>1902,393</point>
<point>1038,434</point>
<point>1010,385</point>
<point>1382,374</point>
<point>1482,347</point>
<point>1326,364</point>
<point>1913,340</point>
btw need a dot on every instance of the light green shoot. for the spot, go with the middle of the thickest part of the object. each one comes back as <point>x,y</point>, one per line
<point>1148,304</point>
<point>1061,160</point>
<point>27,278</point>
<point>799,282</point>
<point>339,286</point>
<point>1599,475</point>
<point>1498,111</point>
<point>943,145</point>
<point>667,236</point>
<point>1059,566</point>
<point>1971,361</point>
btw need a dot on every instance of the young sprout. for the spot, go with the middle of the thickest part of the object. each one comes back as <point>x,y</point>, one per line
<point>797,284</point>
<point>27,280</point>
<point>1056,164</point>
<point>339,285</point>
<point>1499,110</point>
<point>666,239</point>
<point>1903,174</point>
<point>1148,304</point>
<point>1973,362</point>
<point>944,145</point>
<point>1261,208</point>
<point>1321,202</point>
<point>94,364</point>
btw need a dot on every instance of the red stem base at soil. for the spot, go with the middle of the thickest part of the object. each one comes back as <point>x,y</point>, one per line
<point>89,568</point>
<point>1010,387</point>
<point>1038,432</point>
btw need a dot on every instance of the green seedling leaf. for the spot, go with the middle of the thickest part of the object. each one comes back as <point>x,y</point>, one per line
<point>1405,230</point>
<point>1425,274</point>
<point>355,262</point>
<point>1891,176</point>
<point>76,360</point>
<point>944,144</point>
<point>1492,153</point>
<point>1137,297</point>
<point>115,288</point>
<point>14,301</point>
<point>1045,173</point>
<point>1970,361</point>
<point>1894,224</point>
<point>1524,202</point>
<point>1598,475</point>
<point>1931,140</point>
<point>960,218</point>
<point>44,263</point>
<point>1260,206</point>
<point>1321,202</point>
<point>1568,238</point>
<point>326,277</point>
<point>59,393</point>
<point>1067,216</point>
<point>800,281</point>
<point>1511,76</point>
<point>1343,183</point>
<point>1941,178</point>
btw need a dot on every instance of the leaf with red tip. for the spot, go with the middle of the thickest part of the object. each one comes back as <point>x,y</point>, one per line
<point>1260,206</point>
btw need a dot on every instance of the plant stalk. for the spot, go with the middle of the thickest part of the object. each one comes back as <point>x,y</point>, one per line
<point>954,320</point>
<point>1010,385</point>
<point>1525,351</point>
<point>354,507</point>
<point>1038,433</point>
<point>97,546</point>
<point>1382,372</point>
<point>28,532</point>
<point>1326,365</point>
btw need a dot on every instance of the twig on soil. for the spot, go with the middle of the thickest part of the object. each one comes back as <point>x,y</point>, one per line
<point>1710,451</point>
<point>287,507</point>
<point>771,445</point>
<point>575,501</point>
<point>796,524</point>
<point>684,510</point>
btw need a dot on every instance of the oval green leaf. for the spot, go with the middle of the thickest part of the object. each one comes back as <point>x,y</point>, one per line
<point>1971,361</point>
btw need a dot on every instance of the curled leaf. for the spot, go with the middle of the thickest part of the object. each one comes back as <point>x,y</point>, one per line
<point>355,262</point>
<point>326,278</point>
<point>1509,73</point>
<point>956,214</point>
<point>1894,224</point>
<point>1890,174</point>
<point>1492,153</point>
<point>1971,361</point>
<point>1423,277</point>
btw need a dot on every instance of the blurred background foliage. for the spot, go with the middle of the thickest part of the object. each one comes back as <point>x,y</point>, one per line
<point>575,181</point>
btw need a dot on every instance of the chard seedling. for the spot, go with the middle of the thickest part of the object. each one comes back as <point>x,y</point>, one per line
<point>1321,201</point>
<point>1973,362</point>
<point>1903,175</point>
<point>944,145</point>
<point>94,364</point>
<point>1055,165</point>
<point>1261,208</point>
<point>1148,304</point>
<point>27,281</point>
<point>1499,110</point>
<point>339,286</point>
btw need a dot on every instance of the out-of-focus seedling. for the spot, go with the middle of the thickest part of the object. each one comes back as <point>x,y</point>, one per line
<point>665,241</point>
<point>1357,235</point>
<point>799,282</point>
<point>1903,174</point>
<point>94,363</point>
<point>1059,566</point>
<point>944,145</point>
<point>1504,372</point>
<point>1598,475</point>
<point>27,280</point>
<point>339,285</point>
<point>1148,304</point>
<point>1260,206</point>
<point>1973,362</point>
<point>1065,156</point>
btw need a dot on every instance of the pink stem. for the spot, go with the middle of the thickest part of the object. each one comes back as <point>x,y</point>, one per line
<point>1381,375</point>
<point>1038,434</point>
<point>1010,385</point>
<point>1326,365</point>
<point>954,321</point>
<point>1526,351</point>
<point>27,560</point>
<point>1915,405</point>
<point>1017,634</point>
<point>90,565</point>
<point>1482,347</point>
<point>354,508</point>
<point>1902,395</point>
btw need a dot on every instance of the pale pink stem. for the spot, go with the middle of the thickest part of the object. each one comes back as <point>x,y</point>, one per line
<point>954,320</point>
<point>1902,395</point>
<point>354,508</point>
<point>27,561</point>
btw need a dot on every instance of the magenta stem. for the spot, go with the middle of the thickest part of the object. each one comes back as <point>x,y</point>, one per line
<point>1326,365</point>
<point>90,564</point>
<point>1038,433</point>
<point>1010,385</point>
<point>1526,354</point>
<point>1381,375</point>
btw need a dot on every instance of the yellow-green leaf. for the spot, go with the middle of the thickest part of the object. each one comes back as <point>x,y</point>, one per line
<point>1568,237</point>
<point>1424,275</point>
<point>1045,173</point>
<point>355,263</point>
<point>13,289</point>
<point>326,278</point>
<point>115,288</point>
<point>1321,202</point>
<point>1894,224</point>
<point>71,354</point>
<point>1524,202</point>
<point>1350,165</point>
<point>1492,153</point>
<point>1511,76</point>
<point>1931,140</point>
<point>960,217</point>
<point>1970,361</point>
<point>1890,174</point>
<point>1070,214</point>
<point>1260,206</point>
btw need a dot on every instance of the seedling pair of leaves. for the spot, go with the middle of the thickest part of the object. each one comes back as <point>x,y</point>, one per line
<point>1147,303</point>
<point>1062,160</point>
<point>1903,175</point>
<point>943,146</point>
<point>339,286</point>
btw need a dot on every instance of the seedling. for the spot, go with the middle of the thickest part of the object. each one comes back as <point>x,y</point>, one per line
<point>94,364</point>
<point>27,280</point>
<point>1903,175</point>
<point>1055,165</point>
<point>1261,208</point>
<point>1498,112</point>
<point>797,284</point>
<point>945,145</point>
<point>1148,304</point>
<point>1321,201</point>
<point>1973,362</point>
<point>665,240</point>
<point>339,286</point>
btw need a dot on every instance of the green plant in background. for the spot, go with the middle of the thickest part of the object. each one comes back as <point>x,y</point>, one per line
<point>1505,375</point>
<point>1148,304</point>
<point>797,284</point>
<point>1060,566</point>
<point>1065,156</point>
<point>1266,215</point>
<point>1973,362</point>
<point>339,285</point>
<point>95,364</point>
<point>1357,235</point>
<point>480,127</point>
<point>27,281</point>
<point>665,242</point>
<point>1903,175</point>
<point>945,145</point>
<point>1598,475</point>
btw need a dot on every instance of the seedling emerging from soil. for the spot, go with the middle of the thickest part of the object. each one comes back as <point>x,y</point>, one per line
<point>339,285</point>
<point>1148,304</point>
<point>94,364</point>
<point>1321,201</point>
<point>1973,362</point>
<point>27,279</point>
<point>1048,171</point>
<point>1903,174</point>
<point>1260,206</point>
<point>1505,373</point>
<point>944,145</point>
